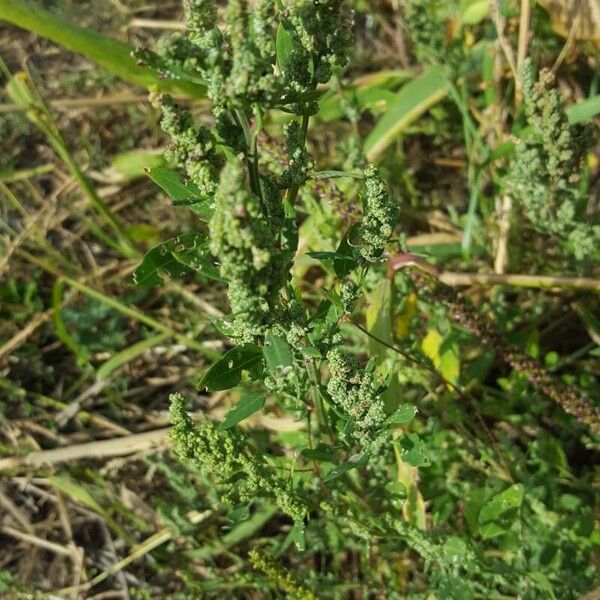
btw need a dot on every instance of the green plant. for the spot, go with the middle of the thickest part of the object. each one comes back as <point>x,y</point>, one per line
<point>362,429</point>
<point>545,167</point>
<point>264,68</point>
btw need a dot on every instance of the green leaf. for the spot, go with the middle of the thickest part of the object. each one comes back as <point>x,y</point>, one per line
<point>284,47</point>
<point>130,165</point>
<point>227,371</point>
<point>379,319</point>
<point>504,504</point>
<point>354,462</point>
<point>584,110</point>
<point>414,99</point>
<point>238,534</point>
<point>297,536</point>
<point>278,353</point>
<point>247,406</point>
<point>176,257</point>
<point>444,354</point>
<point>128,354</point>
<point>373,91</point>
<point>109,53</point>
<point>322,453</point>
<point>375,99</point>
<point>473,11</point>
<point>166,68</point>
<point>345,266</point>
<point>404,414</point>
<point>413,450</point>
<point>60,328</point>
<point>181,191</point>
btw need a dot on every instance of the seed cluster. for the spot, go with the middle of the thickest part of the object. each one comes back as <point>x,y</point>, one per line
<point>226,455</point>
<point>543,172</point>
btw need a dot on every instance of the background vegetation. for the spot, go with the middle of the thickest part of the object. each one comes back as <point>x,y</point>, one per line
<point>490,486</point>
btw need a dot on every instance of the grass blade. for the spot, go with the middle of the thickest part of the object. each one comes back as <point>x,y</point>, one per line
<point>411,102</point>
<point>109,53</point>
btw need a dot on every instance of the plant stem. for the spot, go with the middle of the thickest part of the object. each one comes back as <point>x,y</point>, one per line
<point>529,281</point>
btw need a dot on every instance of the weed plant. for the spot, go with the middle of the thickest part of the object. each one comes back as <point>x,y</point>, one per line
<point>423,442</point>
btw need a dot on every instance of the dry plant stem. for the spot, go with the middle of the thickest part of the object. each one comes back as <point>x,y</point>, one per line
<point>157,24</point>
<point>524,19</point>
<point>122,446</point>
<point>74,103</point>
<point>155,540</point>
<point>570,39</point>
<point>529,281</point>
<point>500,23</point>
<point>428,279</point>
<point>504,212</point>
<point>36,541</point>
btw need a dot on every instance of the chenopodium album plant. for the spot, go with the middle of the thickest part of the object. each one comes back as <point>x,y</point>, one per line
<point>273,56</point>
<point>264,64</point>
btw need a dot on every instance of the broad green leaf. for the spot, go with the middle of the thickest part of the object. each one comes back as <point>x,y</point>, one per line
<point>164,67</point>
<point>473,11</point>
<point>322,453</point>
<point>130,165</point>
<point>584,110</point>
<point>414,99</point>
<point>443,354</point>
<point>226,373</point>
<point>354,462</point>
<point>413,508</point>
<point>109,53</point>
<point>413,450</point>
<point>176,257</point>
<point>345,266</point>
<point>81,494</point>
<point>342,259</point>
<point>77,492</point>
<point>403,415</point>
<point>396,488</point>
<point>371,91</point>
<point>375,99</point>
<point>284,47</point>
<point>247,406</point>
<point>278,353</point>
<point>508,501</point>
<point>181,191</point>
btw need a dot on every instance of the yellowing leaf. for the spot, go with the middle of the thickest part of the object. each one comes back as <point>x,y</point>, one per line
<point>403,320</point>
<point>444,356</point>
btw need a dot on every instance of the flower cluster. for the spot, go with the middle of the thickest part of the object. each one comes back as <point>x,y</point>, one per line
<point>542,172</point>
<point>245,242</point>
<point>279,576</point>
<point>357,392</point>
<point>380,214</point>
<point>300,161</point>
<point>226,455</point>
<point>241,63</point>
<point>193,147</point>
